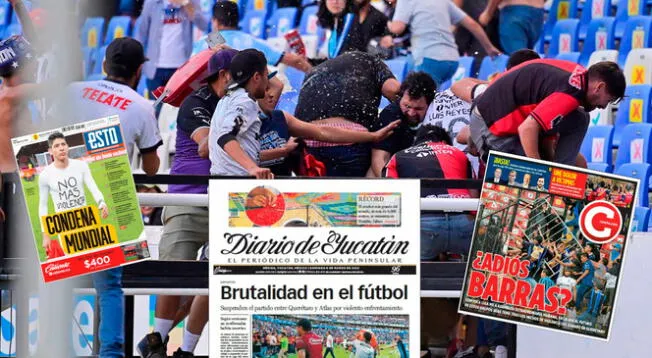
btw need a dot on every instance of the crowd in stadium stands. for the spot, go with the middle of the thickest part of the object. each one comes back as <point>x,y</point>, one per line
<point>394,88</point>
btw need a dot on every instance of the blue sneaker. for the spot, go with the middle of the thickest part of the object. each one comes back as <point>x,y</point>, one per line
<point>153,346</point>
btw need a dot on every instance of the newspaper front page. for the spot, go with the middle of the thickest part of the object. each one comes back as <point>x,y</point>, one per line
<point>548,245</point>
<point>314,268</point>
<point>81,198</point>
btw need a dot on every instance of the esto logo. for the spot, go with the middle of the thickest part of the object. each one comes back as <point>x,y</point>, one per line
<point>600,222</point>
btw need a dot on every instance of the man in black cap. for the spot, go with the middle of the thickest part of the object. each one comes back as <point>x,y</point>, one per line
<point>234,145</point>
<point>116,95</point>
<point>185,228</point>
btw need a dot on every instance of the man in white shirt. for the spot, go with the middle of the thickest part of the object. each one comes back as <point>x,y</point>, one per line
<point>566,281</point>
<point>64,181</point>
<point>234,145</point>
<point>329,345</point>
<point>116,95</point>
<point>166,30</point>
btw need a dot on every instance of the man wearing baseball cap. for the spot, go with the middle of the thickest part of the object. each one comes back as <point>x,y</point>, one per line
<point>116,95</point>
<point>234,147</point>
<point>185,228</point>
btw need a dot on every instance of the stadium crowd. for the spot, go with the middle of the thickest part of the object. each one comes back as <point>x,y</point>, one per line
<point>232,125</point>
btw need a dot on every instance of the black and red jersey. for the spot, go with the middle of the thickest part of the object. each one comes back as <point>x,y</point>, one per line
<point>431,160</point>
<point>546,89</point>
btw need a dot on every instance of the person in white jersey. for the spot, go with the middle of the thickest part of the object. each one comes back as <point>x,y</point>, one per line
<point>116,95</point>
<point>64,181</point>
<point>234,148</point>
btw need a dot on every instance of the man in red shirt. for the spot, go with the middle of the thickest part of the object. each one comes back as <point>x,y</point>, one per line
<point>308,344</point>
<point>538,99</point>
<point>434,156</point>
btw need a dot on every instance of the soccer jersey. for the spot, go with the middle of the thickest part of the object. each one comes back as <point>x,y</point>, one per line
<point>235,118</point>
<point>97,99</point>
<point>66,187</point>
<point>588,279</point>
<point>547,90</point>
<point>284,343</point>
<point>274,133</point>
<point>195,113</point>
<point>431,160</point>
<point>363,350</point>
<point>311,344</point>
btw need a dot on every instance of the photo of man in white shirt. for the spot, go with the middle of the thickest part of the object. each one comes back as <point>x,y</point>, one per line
<point>63,180</point>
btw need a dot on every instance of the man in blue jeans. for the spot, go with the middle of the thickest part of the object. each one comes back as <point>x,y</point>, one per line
<point>520,23</point>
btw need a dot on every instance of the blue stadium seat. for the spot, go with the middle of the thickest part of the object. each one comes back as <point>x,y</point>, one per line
<point>569,56</point>
<point>13,29</point>
<point>641,172</point>
<point>636,144</point>
<point>308,24</point>
<point>599,36</point>
<point>88,60</point>
<point>282,21</point>
<point>119,26</point>
<point>295,77</point>
<point>491,67</point>
<point>641,218</point>
<point>597,145</point>
<point>539,47</point>
<point>637,34</point>
<point>625,10</point>
<point>398,66</point>
<point>288,101</point>
<point>254,23</point>
<point>635,108</point>
<point>464,68</point>
<point>99,60</point>
<point>593,10</point>
<point>444,86</point>
<point>5,13</point>
<point>564,37</point>
<point>142,88</point>
<point>95,77</point>
<point>92,32</point>
<point>559,10</point>
<point>598,167</point>
<point>308,2</point>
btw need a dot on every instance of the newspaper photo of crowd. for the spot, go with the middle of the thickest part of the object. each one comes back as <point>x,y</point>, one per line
<point>529,223</point>
<point>337,336</point>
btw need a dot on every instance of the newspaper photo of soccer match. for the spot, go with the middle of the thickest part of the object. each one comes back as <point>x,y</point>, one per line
<point>333,336</point>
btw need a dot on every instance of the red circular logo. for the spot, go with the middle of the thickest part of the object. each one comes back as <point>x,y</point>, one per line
<point>600,222</point>
<point>264,206</point>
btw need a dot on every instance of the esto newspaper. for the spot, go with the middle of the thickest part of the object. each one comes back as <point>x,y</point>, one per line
<point>81,198</point>
<point>306,268</point>
<point>548,245</point>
